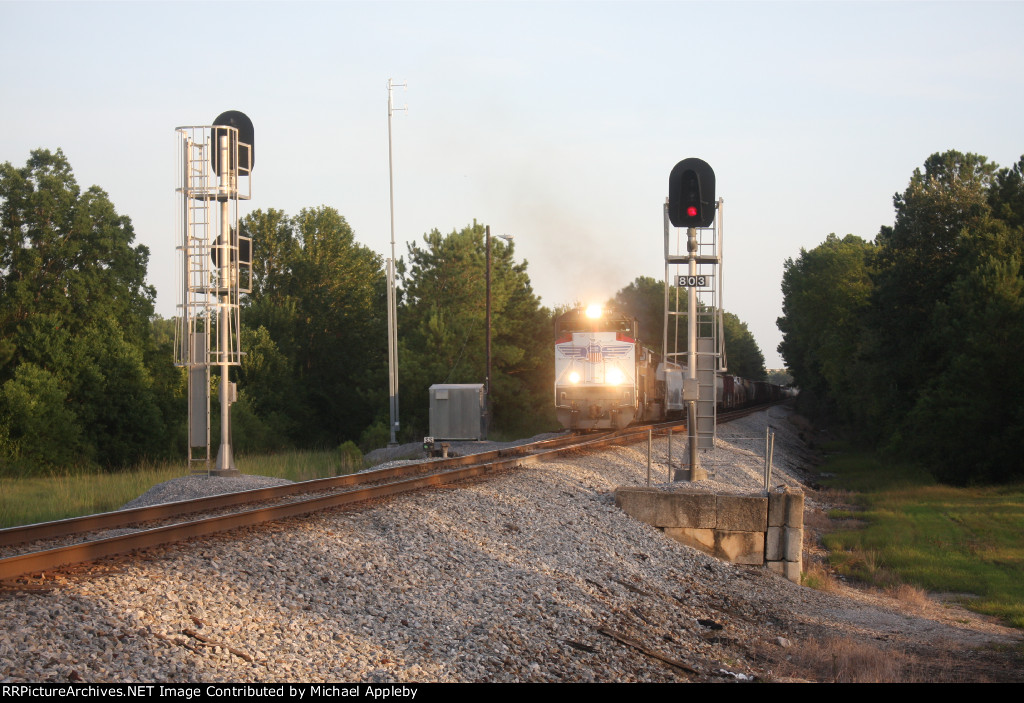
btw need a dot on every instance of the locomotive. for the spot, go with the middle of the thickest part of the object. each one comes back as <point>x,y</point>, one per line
<point>606,379</point>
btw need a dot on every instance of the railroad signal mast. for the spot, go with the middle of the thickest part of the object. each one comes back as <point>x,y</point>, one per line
<point>691,205</point>
<point>215,267</point>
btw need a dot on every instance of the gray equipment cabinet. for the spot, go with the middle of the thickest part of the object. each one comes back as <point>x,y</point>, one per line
<point>457,411</point>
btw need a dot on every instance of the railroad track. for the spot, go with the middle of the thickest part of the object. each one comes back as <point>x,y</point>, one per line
<point>50,545</point>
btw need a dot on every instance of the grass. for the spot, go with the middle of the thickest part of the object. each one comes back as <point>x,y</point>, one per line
<point>910,530</point>
<point>24,501</point>
<point>819,578</point>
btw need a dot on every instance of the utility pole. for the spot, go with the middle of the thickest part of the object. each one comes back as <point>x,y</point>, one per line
<point>392,293</point>
<point>487,378</point>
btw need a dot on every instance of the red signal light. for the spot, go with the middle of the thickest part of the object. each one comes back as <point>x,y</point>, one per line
<point>691,211</point>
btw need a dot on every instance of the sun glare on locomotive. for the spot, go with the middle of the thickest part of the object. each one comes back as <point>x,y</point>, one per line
<point>594,312</point>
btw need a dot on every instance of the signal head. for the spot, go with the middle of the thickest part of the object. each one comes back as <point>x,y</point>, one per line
<point>691,194</point>
<point>238,120</point>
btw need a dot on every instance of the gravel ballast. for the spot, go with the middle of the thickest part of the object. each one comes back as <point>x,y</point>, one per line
<point>533,575</point>
<point>200,486</point>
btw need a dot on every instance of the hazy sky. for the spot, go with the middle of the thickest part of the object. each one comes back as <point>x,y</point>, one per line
<point>556,122</point>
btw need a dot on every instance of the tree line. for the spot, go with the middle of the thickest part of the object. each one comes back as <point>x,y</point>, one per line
<point>913,341</point>
<point>86,368</point>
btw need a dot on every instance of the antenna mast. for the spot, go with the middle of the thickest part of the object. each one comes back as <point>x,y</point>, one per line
<point>392,293</point>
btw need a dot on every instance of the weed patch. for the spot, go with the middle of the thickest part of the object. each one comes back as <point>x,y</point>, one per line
<point>843,660</point>
<point>819,577</point>
<point>935,537</point>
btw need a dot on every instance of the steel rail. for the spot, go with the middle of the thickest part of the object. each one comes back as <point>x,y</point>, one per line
<point>32,562</point>
<point>19,565</point>
<point>22,534</point>
<point>448,471</point>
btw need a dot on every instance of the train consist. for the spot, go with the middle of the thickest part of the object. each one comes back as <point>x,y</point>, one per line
<point>606,379</point>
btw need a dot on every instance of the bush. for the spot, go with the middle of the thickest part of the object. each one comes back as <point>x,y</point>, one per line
<point>38,429</point>
<point>375,436</point>
<point>250,434</point>
<point>351,459</point>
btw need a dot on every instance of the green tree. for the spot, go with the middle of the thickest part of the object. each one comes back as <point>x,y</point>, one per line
<point>744,355</point>
<point>916,341</point>
<point>826,293</point>
<point>67,253</point>
<point>780,377</point>
<point>938,220</point>
<point>316,317</point>
<point>442,327</point>
<point>268,394</point>
<point>963,419</point>
<point>967,423</point>
<point>644,299</point>
<point>74,326</point>
<point>1006,195</point>
<point>37,428</point>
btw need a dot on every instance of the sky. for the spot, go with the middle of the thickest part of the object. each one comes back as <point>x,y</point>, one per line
<point>554,122</point>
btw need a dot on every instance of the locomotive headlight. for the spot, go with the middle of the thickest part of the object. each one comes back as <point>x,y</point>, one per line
<point>615,376</point>
<point>574,377</point>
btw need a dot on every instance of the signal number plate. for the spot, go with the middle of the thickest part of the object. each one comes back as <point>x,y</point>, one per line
<point>686,281</point>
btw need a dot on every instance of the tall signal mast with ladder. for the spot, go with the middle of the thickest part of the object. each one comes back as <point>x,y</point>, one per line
<point>215,268</point>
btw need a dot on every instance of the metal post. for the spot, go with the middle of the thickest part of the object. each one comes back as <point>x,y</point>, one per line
<point>225,458</point>
<point>765,473</point>
<point>392,293</point>
<point>664,315</point>
<point>649,456</point>
<point>392,352</point>
<point>669,454</point>
<point>691,352</point>
<point>487,377</point>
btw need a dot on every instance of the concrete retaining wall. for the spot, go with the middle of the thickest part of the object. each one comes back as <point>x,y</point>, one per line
<point>765,529</point>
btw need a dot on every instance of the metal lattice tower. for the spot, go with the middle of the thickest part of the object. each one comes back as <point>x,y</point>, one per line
<point>214,269</point>
<point>704,272</point>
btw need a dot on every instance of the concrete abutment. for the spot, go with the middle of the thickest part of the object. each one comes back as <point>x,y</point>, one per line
<point>763,529</point>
